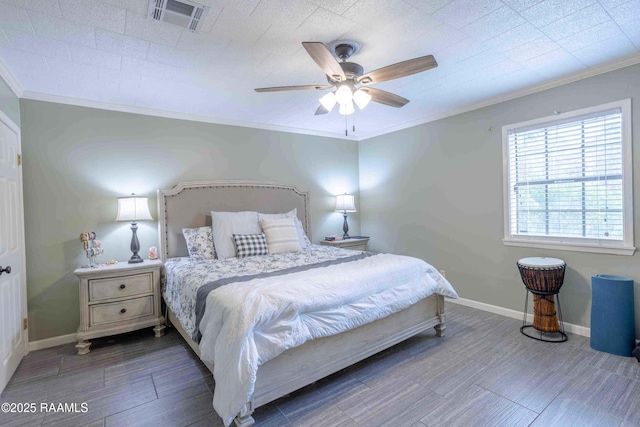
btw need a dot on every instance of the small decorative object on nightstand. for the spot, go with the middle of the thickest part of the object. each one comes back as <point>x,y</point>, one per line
<point>358,243</point>
<point>345,203</point>
<point>133,209</point>
<point>118,298</point>
<point>92,246</point>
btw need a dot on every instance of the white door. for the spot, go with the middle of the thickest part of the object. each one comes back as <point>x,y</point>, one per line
<point>13,292</point>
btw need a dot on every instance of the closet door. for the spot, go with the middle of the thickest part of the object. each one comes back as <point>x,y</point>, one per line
<point>13,284</point>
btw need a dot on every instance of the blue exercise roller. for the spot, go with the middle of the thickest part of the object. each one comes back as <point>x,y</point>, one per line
<point>613,325</point>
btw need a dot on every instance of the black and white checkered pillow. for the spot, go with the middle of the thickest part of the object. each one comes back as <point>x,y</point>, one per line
<point>250,245</point>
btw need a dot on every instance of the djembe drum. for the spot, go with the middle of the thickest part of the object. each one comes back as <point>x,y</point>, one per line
<point>543,277</point>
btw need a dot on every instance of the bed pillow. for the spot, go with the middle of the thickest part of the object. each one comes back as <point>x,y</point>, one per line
<point>302,237</point>
<point>305,242</point>
<point>282,235</point>
<point>250,245</point>
<point>225,224</point>
<point>199,243</point>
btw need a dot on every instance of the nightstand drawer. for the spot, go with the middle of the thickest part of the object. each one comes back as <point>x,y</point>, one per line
<point>118,287</point>
<point>100,314</point>
<point>356,246</point>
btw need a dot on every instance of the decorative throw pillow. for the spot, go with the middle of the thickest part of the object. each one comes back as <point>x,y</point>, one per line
<point>302,237</point>
<point>199,243</point>
<point>250,245</point>
<point>305,242</point>
<point>282,235</point>
<point>225,224</point>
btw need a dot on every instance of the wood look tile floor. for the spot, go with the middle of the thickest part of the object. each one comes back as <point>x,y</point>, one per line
<point>482,373</point>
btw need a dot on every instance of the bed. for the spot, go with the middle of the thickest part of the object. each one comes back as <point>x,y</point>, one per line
<point>188,205</point>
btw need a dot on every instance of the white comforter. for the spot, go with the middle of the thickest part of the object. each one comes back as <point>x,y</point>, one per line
<point>249,323</point>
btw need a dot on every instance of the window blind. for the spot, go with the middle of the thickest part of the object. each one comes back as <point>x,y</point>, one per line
<point>566,178</point>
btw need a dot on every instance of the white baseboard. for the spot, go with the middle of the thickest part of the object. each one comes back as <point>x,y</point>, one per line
<point>51,342</point>
<point>568,327</point>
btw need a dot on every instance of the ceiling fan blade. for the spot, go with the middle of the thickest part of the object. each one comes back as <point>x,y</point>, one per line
<point>401,69</point>
<point>304,87</point>
<point>321,110</point>
<point>386,98</point>
<point>325,60</point>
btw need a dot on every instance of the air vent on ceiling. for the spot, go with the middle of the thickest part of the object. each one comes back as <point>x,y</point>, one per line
<point>183,13</point>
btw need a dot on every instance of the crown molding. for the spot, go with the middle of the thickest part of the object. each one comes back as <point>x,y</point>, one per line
<point>11,81</point>
<point>570,78</point>
<point>550,84</point>
<point>37,96</point>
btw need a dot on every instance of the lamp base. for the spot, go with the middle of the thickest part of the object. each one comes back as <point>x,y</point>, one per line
<point>135,245</point>
<point>135,259</point>
<point>345,226</point>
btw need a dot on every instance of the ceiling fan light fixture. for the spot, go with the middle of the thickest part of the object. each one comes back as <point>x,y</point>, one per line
<point>328,101</point>
<point>344,95</point>
<point>347,109</point>
<point>347,79</point>
<point>361,98</point>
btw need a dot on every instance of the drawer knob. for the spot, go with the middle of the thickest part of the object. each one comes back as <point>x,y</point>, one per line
<point>123,286</point>
<point>123,311</point>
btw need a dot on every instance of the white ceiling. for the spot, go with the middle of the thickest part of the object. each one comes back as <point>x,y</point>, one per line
<point>107,51</point>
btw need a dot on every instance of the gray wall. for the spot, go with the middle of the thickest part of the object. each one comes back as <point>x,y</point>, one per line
<point>9,102</point>
<point>79,160</point>
<point>435,191</point>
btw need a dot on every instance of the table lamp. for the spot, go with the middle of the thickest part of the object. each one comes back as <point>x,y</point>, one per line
<point>133,209</point>
<point>345,203</point>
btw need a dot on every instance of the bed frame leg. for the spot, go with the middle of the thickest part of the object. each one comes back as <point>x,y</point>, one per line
<point>244,418</point>
<point>440,327</point>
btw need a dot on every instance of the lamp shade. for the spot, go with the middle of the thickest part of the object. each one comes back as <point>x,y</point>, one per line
<point>133,209</point>
<point>346,203</point>
<point>344,95</point>
<point>328,101</point>
<point>361,97</point>
<point>346,109</point>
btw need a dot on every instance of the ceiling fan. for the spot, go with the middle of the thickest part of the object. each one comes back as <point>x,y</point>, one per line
<point>349,80</point>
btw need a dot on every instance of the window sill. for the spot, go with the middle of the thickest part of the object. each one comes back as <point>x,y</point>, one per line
<point>611,250</point>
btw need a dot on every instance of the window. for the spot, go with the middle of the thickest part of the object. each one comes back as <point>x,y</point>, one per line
<point>568,181</point>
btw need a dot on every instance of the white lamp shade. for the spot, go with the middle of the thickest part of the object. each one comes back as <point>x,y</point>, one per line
<point>346,109</point>
<point>346,202</point>
<point>361,97</point>
<point>328,101</point>
<point>133,209</point>
<point>344,95</point>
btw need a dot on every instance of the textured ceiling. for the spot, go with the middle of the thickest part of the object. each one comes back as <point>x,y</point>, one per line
<point>108,51</point>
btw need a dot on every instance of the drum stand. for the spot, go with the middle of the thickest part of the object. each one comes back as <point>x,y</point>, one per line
<point>550,328</point>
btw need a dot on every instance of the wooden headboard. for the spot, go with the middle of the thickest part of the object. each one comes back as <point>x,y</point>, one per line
<point>189,205</point>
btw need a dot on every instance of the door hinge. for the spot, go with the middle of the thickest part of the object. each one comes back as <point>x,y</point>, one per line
<point>19,159</point>
<point>25,323</point>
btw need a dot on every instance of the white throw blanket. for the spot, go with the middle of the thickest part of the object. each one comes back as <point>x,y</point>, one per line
<point>249,323</point>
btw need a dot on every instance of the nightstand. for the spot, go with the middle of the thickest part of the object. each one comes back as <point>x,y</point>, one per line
<point>118,298</point>
<point>353,244</point>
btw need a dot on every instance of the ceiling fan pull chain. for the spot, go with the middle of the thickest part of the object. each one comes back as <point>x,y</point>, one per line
<point>345,125</point>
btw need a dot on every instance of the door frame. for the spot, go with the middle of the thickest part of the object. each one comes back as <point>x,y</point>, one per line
<point>21,235</point>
